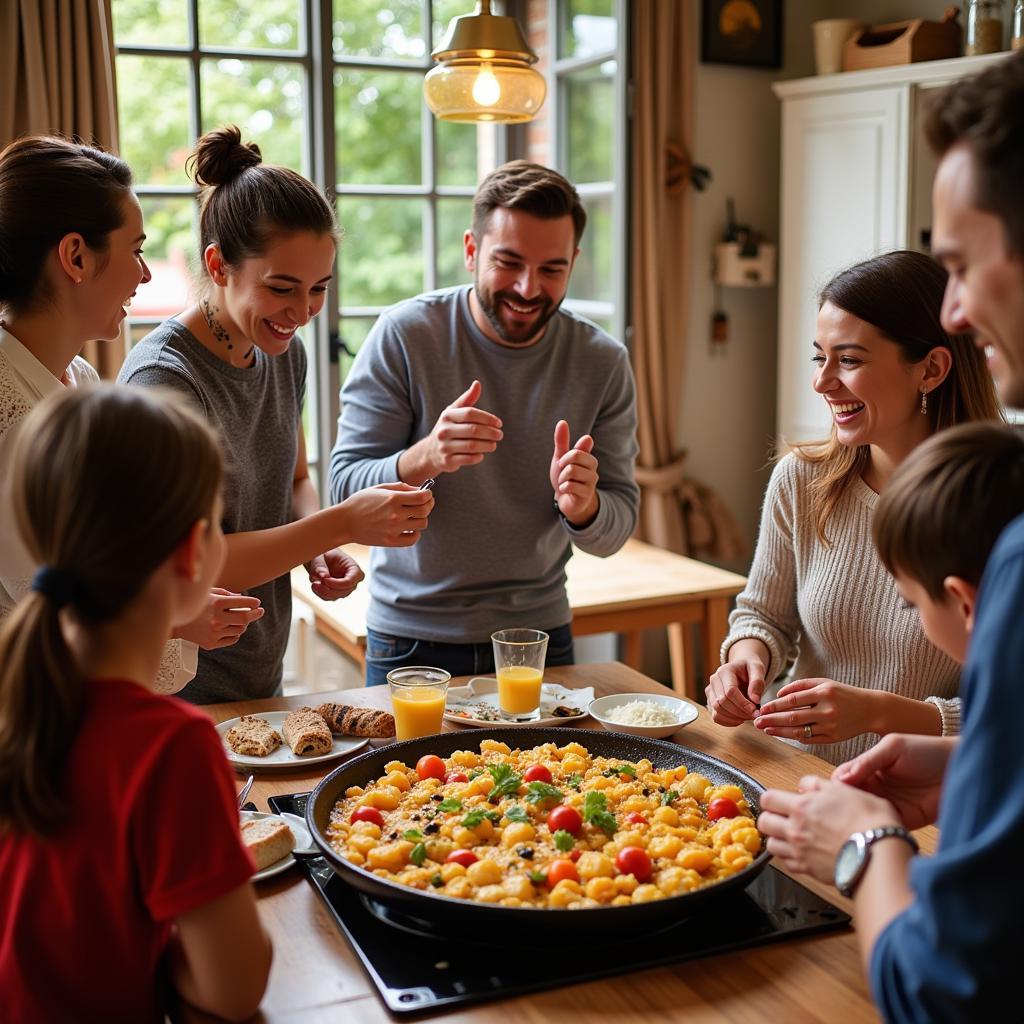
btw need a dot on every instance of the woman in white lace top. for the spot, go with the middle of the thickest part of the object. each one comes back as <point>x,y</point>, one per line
<point>818,597</point>
<point>70,260</point>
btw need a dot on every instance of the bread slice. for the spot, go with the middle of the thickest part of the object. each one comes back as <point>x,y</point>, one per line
<point>349,720</point>
<point>268,840</point>
<point>253,737</point>
<point>307,733</point>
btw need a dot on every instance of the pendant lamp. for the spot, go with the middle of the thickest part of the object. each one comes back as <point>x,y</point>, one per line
<point>484,71</point>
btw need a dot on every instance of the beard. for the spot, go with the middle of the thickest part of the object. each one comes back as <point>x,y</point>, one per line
<point>514,333</point>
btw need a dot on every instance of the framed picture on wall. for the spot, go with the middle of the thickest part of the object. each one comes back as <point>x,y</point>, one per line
<point>744,32</point>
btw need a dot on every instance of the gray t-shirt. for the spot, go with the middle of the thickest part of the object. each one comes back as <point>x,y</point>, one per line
<point>256,411</point>
<point>494,553</point>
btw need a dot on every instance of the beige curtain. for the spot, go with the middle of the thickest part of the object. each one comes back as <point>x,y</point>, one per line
<point>676,512</point>
<point>57,76</point>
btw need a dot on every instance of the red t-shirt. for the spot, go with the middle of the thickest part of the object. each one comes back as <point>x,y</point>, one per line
<point>152,833</point>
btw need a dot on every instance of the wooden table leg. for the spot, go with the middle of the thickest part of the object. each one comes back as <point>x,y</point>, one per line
<point>713,631</point>
<point>677,659</point>
<point>632,648</point>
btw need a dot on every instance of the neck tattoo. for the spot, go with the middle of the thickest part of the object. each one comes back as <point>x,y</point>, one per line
<point>216,327</point>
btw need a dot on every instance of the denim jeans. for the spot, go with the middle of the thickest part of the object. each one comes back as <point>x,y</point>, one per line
<point>385,652</point>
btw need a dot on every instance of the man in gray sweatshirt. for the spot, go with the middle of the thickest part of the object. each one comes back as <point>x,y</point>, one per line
<point>484,388</point>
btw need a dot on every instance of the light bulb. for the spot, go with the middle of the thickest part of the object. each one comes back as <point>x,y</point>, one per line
<point>486,90</point>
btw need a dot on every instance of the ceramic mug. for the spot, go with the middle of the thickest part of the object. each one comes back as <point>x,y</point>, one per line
<point>829,37</point>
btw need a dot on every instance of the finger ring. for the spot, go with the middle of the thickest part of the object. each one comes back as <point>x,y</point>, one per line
<point>807,731</point>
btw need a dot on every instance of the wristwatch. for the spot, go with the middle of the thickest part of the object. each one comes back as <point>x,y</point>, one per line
<point>854,854</point>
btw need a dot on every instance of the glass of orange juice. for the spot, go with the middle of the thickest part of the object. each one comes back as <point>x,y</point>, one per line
<point>418,695</point>
<point>519,666</point>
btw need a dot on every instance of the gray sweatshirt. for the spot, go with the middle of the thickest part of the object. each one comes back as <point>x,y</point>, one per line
<point>495,551</point>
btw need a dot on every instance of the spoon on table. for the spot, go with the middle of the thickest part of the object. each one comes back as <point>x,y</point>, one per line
<point>245,791</point>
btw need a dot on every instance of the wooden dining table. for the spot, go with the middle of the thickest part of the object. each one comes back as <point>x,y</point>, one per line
<point>316,976</point>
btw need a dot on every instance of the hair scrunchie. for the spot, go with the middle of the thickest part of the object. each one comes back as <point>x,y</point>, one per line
<point>59,586</point>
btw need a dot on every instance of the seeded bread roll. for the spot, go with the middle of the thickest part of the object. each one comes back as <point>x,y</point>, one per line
<point>253,737</point>
<point>307,733</point>
<point>268,840</point>
<point>348,720</point>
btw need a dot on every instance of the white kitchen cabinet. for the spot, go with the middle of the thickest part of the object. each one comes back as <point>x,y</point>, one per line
<point>856,181</point>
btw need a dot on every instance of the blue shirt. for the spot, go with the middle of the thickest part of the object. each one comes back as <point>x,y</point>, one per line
<point>951,955</point>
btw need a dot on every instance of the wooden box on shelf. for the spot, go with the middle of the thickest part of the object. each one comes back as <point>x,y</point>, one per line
<point>903,42</point>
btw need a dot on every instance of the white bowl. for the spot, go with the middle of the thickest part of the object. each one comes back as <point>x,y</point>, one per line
<point>684,711</point>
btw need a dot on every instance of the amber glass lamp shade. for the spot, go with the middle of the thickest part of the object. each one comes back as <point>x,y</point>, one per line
<point>484,72</point>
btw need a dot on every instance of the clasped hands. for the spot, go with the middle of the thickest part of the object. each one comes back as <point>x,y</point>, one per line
<point>465,434</point>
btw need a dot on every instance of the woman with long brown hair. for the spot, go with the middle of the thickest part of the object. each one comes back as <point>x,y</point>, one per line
<point>817,594</point>
<point>122,870</point>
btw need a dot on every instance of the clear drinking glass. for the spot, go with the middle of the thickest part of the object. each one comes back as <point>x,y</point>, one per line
<point>418,694</point>
<point>519,665</point>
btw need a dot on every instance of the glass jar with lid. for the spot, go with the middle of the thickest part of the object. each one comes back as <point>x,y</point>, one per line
<point>984,27</point>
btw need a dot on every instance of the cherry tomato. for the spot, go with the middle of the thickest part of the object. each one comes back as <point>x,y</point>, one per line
<point>632,860</point>
<point>430,766</point>
<point>456,777</point>
<point>565,817</point>
<point>722,807</point>
<point>367,814</point>
<point>537,773</point>
<point>463,857</point>
<point>575,855</point>
<point>560,869</point>
<point>636,818</point>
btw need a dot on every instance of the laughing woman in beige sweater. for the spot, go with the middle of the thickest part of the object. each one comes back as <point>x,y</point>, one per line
<point>817,596</point>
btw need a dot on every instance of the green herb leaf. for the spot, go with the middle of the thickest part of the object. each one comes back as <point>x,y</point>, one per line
<point>474,773</point>
<point>517,813</point>
<point>477,815</point>
<point>574,781</point>
<point>538,792</point>
<point>538,877</point>
<point>418,855</point>
<point>668,797</point>
<point>506,781</point>
<point>436,881</point>
<point>623,769</point>
<point>414,835</point>
<point>595,812</point>
<point>452,803</point>
<point>563,840</point>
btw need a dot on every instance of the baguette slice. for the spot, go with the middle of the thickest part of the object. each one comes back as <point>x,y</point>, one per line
<point>348,720</point>
<point>253,737</point>
<point>307,733</point>
<point>268,840</point>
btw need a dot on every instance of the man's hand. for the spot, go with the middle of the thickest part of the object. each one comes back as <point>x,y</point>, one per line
<point>462,436</point>
<point>908,771</point>
<point>574,477</point>
<point>387,516</point>
<point>334,575</point>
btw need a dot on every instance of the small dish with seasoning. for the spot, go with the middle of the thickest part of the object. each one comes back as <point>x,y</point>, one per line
<point>643,714</point>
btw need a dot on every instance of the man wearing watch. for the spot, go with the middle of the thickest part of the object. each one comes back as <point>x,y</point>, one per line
<point>522,412</point>
<point>939,934</point>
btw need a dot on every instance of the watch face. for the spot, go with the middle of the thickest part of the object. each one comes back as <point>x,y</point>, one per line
<point>848,863</point>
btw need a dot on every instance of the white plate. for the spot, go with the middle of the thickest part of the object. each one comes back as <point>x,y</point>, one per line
<point>283,759</point>
<point>302,841</point>
<point>478,703</point>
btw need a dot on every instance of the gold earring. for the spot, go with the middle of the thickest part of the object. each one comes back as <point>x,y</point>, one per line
<point>924,402</point>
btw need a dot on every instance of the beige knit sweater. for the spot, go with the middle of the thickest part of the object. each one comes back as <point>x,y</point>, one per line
<point>836,610</point>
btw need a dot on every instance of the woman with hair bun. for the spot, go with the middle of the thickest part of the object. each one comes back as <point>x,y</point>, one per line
<point>71,240</point>
<point>123,876</point>
<point>817,591</point>
<point>268,239</point>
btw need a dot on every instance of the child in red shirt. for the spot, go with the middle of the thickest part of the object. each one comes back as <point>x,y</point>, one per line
<point>124,884</point>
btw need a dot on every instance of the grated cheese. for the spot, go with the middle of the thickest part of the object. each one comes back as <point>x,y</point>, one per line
<point>641,712</point>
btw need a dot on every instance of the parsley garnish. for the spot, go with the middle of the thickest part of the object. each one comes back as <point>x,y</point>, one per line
<point>595,812</point>
<point>413,835</point>
<point>574,781</point>
<point>474,817</point>
<point>474,773</point>
<point>538,792</point>
<point>452,803</point>
<point>668,797</point>
<point>563,840</point>
<point>623,769</point>
<point>506,782</point>
<point>516,813</point>
<point>538,877</point>
<point>418,855</point>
